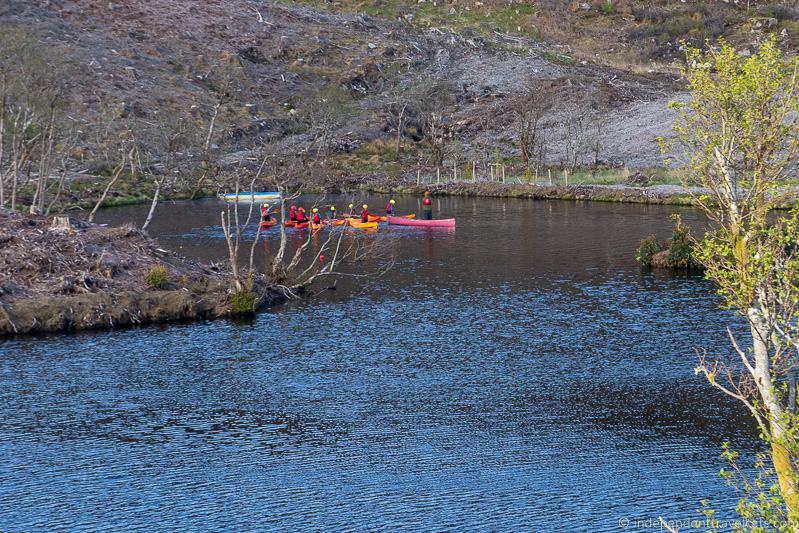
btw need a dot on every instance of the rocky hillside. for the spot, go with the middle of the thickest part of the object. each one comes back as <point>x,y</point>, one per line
<point>631,34</point>
<point>340,77</point>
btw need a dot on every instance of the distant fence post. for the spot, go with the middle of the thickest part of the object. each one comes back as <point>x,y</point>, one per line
<point>503,173</point>
<point>549,172</point>
<point>454,171</point>
<point>418,177</point>
<point>474,171</point>
<point>438,175</point>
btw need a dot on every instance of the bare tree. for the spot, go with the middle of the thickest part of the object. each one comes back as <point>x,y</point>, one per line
<point>47,147</point>
<point>575,132</point>
<point>232,228</point>
<point>22,142</point>
<point>431,115</point>
<point>127,159</point>
<point>32,98</point>
<point>396,112</point>
<point>159,182</point>
<point>396,115</point>
<point>327,112</point>
<point>529,109</point>
<point>437,134</point>
<point>322,255</point>
<point>62,176</point>
<point>597,123</point>
<point>227,83</point>
<point>164,153</point>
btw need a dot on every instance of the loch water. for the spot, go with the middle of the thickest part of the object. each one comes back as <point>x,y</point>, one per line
<point>520,373</point>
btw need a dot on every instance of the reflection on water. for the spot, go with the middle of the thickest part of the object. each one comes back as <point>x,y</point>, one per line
<point>518,373</point>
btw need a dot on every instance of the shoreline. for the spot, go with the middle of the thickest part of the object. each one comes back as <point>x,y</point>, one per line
<point>654,194</point>
<point>117,310</point>
<point>621,193</point>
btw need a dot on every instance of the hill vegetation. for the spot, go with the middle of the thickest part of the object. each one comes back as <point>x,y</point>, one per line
<point>184,98</point>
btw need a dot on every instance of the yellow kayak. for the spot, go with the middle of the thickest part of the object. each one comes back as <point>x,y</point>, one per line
<point>362,225</point>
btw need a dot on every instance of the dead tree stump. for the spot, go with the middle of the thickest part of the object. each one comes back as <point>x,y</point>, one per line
<point>61,223</point>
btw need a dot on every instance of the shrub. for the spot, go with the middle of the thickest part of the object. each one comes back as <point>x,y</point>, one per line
<point>679,25</point>
<point>243,303</point>
<point>528,177</point>
<point>681,247</point>
<point>607,7</point>
<point>646,250</point>
<point>199,287</point>
<point>157,277</point>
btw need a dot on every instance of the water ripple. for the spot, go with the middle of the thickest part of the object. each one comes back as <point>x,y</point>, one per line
<point>502,377</point>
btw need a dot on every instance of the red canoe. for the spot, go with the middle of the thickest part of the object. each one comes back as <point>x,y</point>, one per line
<point>439,223</point>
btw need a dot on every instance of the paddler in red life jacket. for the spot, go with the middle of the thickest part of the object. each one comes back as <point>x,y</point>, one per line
<point>293,213</point>
<point>390,207</point>
<point>265,216</point>
<point>301,216</point>
<point>365,214</point>
<point>316,218</point>
<point>427,207</point>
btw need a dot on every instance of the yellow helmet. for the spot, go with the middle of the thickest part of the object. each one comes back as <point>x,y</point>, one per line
<point>392,202</point>
<point>315,209</point>
<point>365,206</point>
<point>332,207</point>
<point>350,206</point>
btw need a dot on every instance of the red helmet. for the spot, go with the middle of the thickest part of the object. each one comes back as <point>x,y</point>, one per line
<point>302,209</point>
<point>294,207</point>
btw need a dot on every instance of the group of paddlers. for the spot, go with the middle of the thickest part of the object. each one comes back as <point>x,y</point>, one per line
<point>299,216</point>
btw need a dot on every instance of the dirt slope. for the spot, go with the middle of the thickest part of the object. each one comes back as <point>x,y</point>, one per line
<point>156,55</point>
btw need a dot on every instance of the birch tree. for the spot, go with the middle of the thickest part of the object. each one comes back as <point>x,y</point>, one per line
<point>739,135</point>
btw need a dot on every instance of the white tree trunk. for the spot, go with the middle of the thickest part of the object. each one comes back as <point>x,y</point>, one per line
<point>153,204</point>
